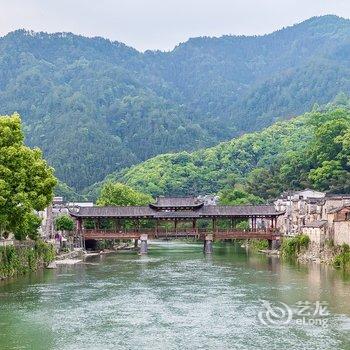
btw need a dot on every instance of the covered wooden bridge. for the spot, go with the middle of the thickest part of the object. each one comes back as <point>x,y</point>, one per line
<point>174,217</point>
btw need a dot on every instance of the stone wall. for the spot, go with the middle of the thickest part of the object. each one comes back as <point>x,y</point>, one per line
<point>319,254</point>
<point>341,232</point>
<point>317,235</point>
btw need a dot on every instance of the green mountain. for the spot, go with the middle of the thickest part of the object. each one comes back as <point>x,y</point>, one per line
<point>96,106</point>
<point>312,150</point>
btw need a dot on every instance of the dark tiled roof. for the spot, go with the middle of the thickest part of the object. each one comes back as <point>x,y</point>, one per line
<point>312,200</point>
<point>116,211</point>
<point>337,209</point>
<point>168,202</point>
<point>338,196</point>
<point>204,211</point>
<point>177,214</point>
<point>237,210</point>
<point>316,223</point>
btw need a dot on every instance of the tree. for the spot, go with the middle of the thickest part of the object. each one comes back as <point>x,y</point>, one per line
<point>64,223</point>
<point>263,183</point>
<point>26,181</point>
<point>326,146</point>
<point>28,227</point>
<point>344,141</point>
<point>120,194</point>
<point>238,196</point>
<point>330,176</point>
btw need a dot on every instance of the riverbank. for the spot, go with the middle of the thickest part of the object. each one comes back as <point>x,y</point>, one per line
<point>318,254</point>
<point>19,260</point>
<point>328,254</point>
<point>79,255</point>
<point>260,246</point>
<point>303,250</point>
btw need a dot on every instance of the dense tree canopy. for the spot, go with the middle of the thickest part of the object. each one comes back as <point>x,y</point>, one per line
<point>120,194</point>
<point>238,196</point>
<point>64,223</point>
<point>309,151</point>
<point>95,106</point>
<point>26,181</point>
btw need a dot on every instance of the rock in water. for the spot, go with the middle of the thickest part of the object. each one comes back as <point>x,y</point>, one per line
<point>52,265</point>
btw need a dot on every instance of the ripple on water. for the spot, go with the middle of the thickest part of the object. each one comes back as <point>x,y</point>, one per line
<point>170,299</point>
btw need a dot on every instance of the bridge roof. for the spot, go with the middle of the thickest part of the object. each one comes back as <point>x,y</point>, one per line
<point>239,210</point>
<point>177,202</point>
<point>148,212</point>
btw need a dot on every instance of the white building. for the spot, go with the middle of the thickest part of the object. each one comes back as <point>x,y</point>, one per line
<point>57,208</point>
<point>319,215</point>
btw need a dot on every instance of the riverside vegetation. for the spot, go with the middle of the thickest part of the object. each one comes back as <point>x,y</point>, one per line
<point>16,261</point>
<point>291,247</point>
<point>26,186</point>
<point>342,259</point>
<point>295,247</point>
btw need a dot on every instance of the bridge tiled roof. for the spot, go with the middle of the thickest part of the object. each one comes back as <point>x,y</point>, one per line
<point>238,210</point>
<point>149,212</point>
<point>113,211</point>
<point>177,214</point>
<point>177,202</point>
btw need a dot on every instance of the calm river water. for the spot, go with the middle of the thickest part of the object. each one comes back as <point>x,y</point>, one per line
<point>177,298</point>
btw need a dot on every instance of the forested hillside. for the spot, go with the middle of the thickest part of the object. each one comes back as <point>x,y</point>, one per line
<point>312,150</point>
<point>96,106</point>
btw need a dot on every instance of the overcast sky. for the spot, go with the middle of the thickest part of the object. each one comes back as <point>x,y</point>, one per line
<point>161,24</point>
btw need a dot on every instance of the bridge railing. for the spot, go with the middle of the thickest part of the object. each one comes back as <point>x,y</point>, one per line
<point>160,232</point>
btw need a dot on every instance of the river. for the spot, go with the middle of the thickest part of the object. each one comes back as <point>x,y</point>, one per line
<point>177,298</point>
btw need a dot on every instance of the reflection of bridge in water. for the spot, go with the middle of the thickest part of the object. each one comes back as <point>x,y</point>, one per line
<point>262,222</point>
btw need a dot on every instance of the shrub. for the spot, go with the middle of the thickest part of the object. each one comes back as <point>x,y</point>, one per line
<point>104,244</point>
<point>345,248</point>
<point>64,223</point>
<point>342,260</point>
<point>20,260</point>
<point>258,244</point>
<point>291,246</point>
<point>46,251</point>
<point>304,241</point>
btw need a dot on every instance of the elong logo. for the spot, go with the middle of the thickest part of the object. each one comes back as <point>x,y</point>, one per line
<point>304,313</point>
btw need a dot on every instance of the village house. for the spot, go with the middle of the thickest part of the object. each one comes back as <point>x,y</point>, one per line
<point>339,217</point>
<point>319,215</point>
<point>57,208</point>
<point>300,208</point>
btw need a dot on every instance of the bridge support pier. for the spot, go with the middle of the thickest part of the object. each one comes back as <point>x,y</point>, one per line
<point>136,243</point>
<point>208,244</point>
<point>270,244</point>
<point>274,244</point>
<point>143,245</point>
